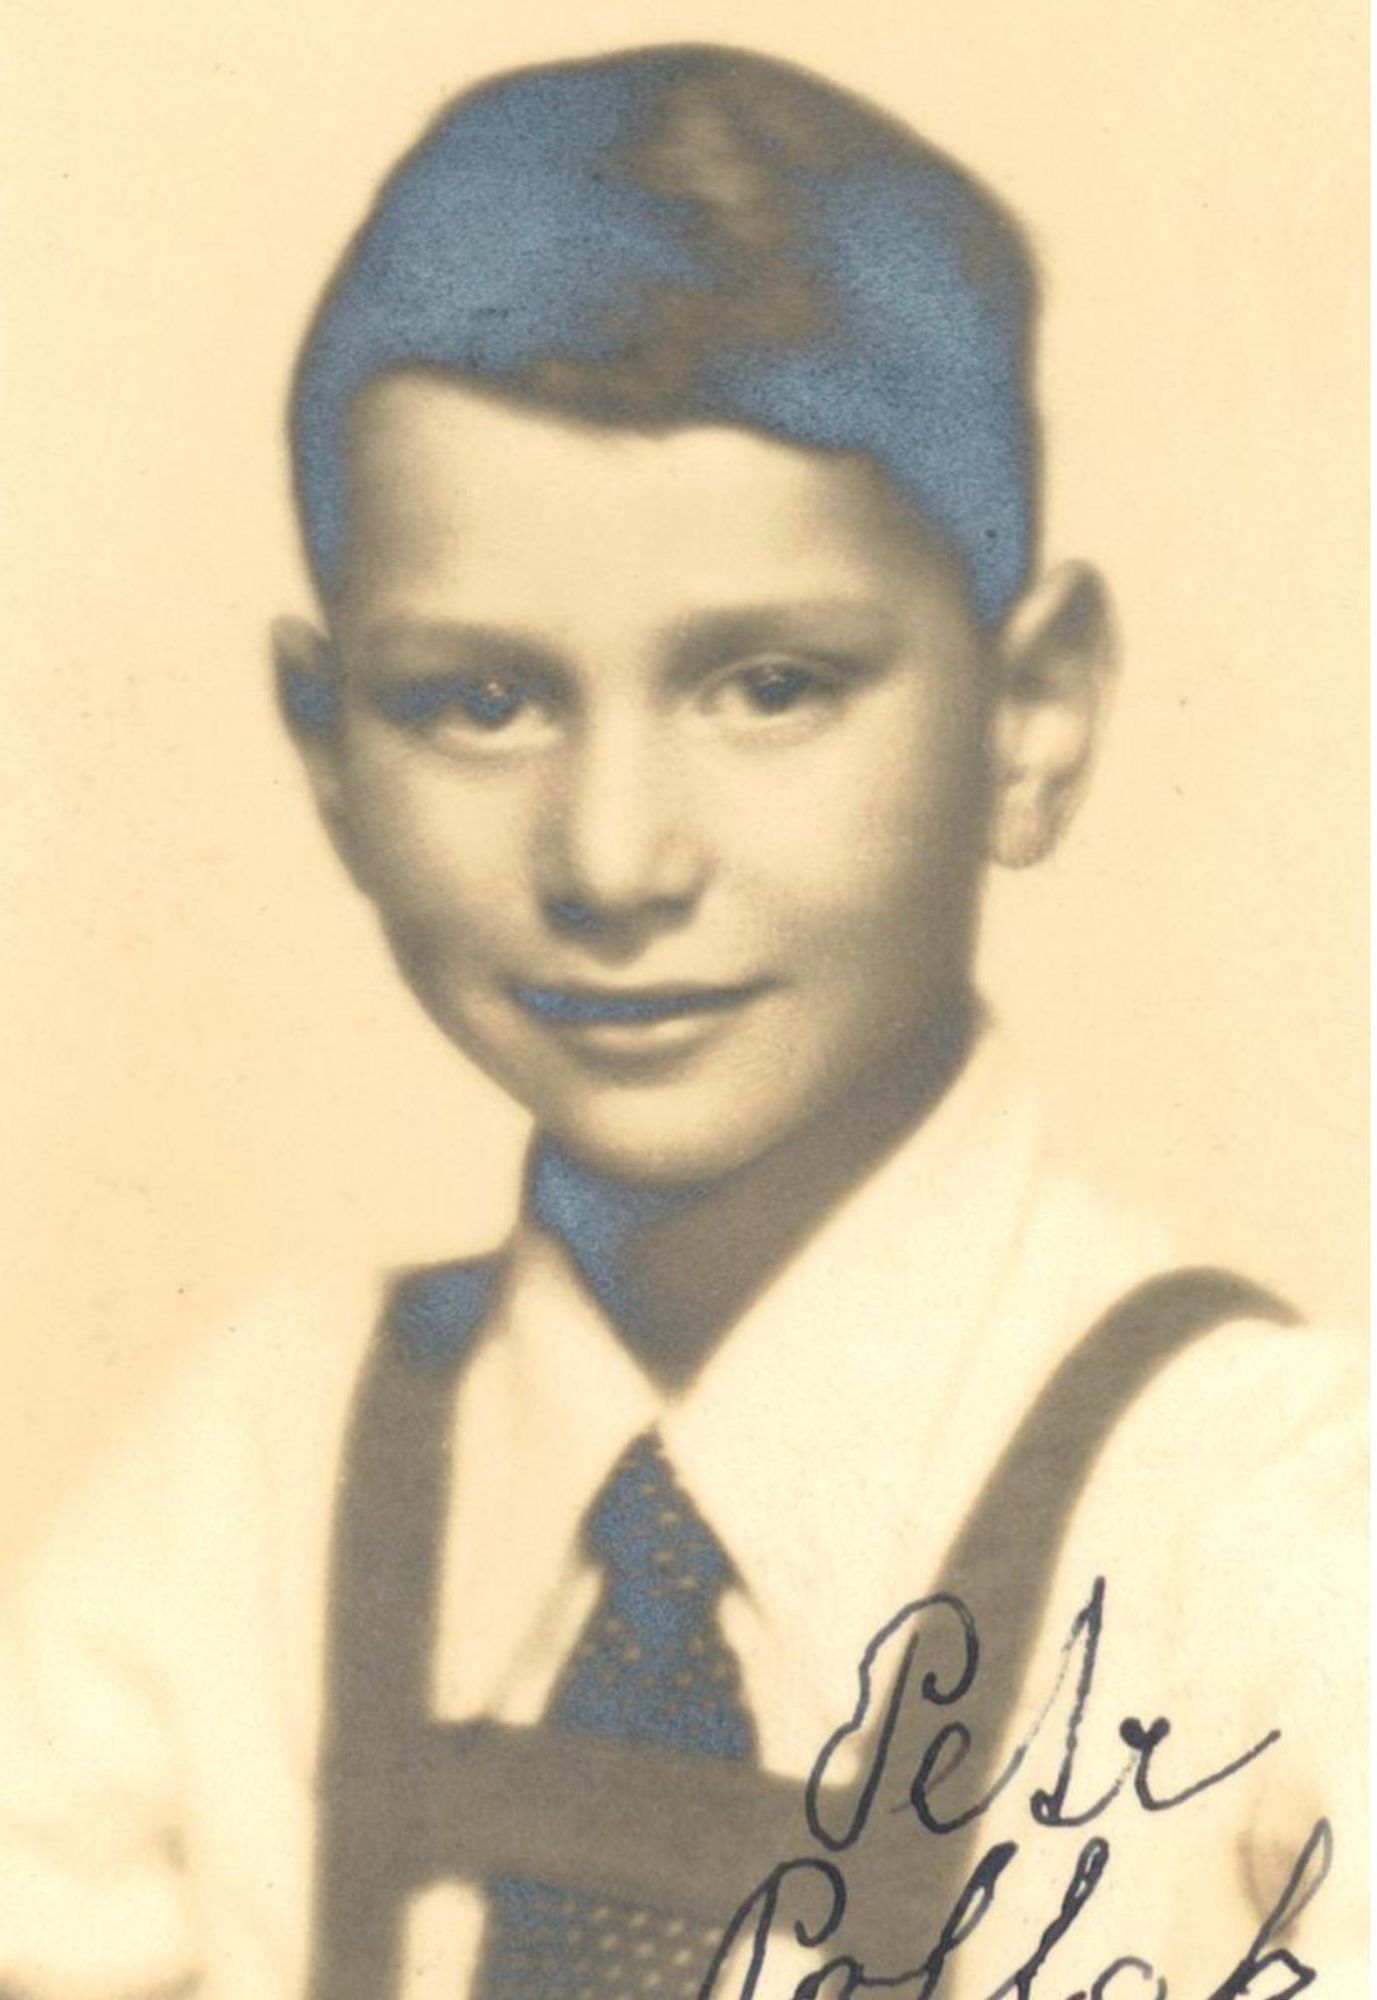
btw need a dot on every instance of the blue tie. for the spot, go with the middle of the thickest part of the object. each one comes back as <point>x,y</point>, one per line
<point>651,1667</point>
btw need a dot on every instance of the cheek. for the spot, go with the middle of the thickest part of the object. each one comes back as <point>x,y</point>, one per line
<point>439,856</point>
<point>879,841</point>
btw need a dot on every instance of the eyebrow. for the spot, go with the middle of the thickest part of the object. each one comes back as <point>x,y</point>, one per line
<point>840,625</point>
<point>424,646</point>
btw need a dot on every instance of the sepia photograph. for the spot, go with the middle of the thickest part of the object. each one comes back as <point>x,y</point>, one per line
<point>683,828</point>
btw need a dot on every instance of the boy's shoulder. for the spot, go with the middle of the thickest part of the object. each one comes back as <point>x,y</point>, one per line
<point>274,1383</point>
<point>246,1425</point>
<point>304,1333</point>
<point>1258,1393</point>
<point>1245,1449</point>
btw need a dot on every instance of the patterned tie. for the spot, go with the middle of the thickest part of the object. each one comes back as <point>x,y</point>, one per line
<point>651,1667</point>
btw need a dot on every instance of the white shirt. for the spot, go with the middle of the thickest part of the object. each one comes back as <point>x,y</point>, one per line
<point>160,1693</point>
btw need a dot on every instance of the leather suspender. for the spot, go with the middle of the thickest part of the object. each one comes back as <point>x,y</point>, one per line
<point>406,1800</point>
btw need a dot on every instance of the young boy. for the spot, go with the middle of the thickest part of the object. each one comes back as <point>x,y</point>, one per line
<point>823,1546</point>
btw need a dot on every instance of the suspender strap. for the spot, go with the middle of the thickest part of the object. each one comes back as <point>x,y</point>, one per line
<point>377,1746</point>
<point>405,1800</point>
<point>1002,1565</point>
<point>1004,1577</point>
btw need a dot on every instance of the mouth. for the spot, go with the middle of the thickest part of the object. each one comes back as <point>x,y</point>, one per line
<point>637,1007</point>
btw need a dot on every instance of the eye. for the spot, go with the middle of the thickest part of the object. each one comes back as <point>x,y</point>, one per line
<point>779,687</point>
<point>781,690</point>
<point>492,703</point>
<point>464,708</point>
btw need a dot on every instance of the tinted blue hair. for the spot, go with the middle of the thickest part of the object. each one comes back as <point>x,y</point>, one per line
<point>698,235</point>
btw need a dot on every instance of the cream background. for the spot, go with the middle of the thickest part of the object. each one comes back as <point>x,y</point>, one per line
<point>208,1068</point>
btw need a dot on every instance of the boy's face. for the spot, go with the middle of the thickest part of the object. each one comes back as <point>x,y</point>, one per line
<point>664,762</point>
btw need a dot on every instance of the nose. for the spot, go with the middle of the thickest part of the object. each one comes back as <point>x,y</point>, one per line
<point>623,846</point>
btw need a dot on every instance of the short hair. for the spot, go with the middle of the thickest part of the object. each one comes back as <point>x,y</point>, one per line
<point>691,235</point>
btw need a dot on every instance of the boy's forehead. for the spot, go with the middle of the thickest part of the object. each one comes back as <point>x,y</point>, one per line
<point>442,470</point>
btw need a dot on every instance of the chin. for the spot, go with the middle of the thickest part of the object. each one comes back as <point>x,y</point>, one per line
<point>652,1151</point>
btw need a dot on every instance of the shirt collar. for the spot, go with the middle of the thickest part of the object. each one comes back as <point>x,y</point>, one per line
<point>828,1397</point>
<point>824,1409</point>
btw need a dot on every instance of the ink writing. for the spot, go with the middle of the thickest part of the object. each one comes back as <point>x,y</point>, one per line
<point>918,1743</point>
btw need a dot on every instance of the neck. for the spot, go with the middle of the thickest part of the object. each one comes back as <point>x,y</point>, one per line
<point>676,1268</point>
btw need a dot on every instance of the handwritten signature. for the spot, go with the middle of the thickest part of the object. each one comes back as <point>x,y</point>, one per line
<point>946,1750</point>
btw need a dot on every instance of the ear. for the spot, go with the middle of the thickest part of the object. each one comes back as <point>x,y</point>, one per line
<point>1055,660</point>
<point>308,696</point>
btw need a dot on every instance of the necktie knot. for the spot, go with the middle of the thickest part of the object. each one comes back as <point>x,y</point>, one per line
<point>645,1533</point>
<point>652,1666</point>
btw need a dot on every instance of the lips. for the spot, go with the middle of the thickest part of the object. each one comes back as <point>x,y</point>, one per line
<point>581,1006</point>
